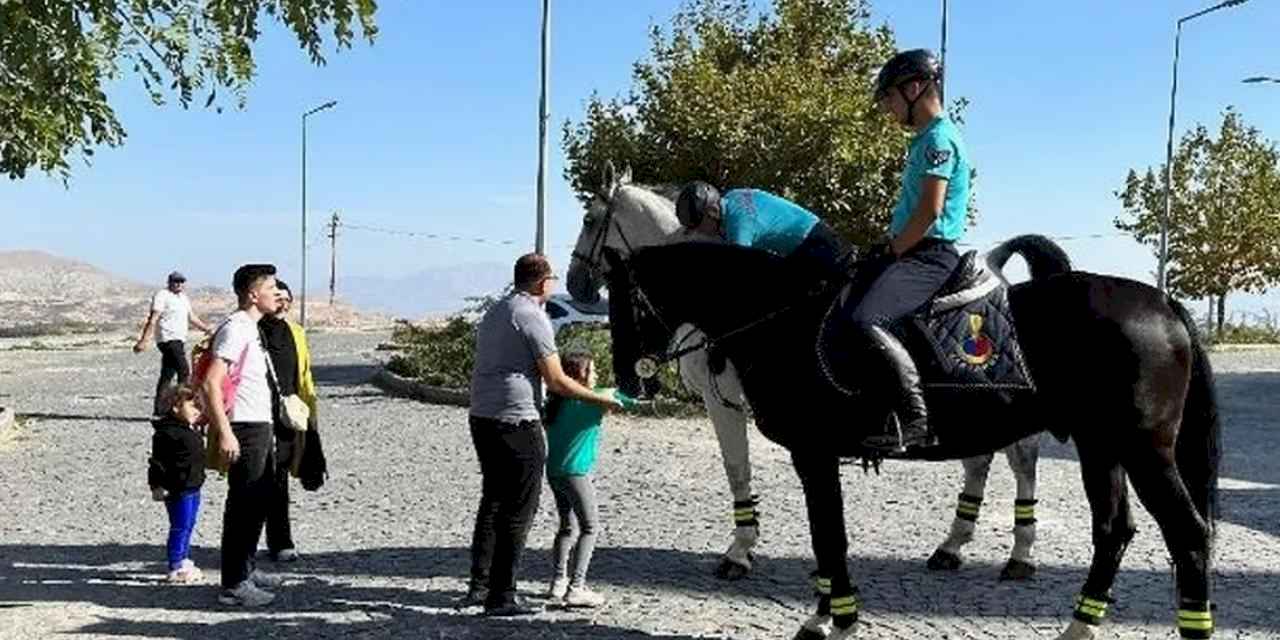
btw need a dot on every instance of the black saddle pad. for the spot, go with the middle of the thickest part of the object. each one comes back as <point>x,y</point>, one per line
<point>967,341</point>
<point>963,341</point>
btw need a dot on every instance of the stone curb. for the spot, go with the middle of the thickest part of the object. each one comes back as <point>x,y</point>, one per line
<point>410,388</point>
<point>7,419</point>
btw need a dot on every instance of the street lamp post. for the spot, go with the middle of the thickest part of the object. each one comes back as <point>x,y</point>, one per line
<point>942,83</point>
<point>540,235</point>
<point>302,313</point>
<point>1168,164</point>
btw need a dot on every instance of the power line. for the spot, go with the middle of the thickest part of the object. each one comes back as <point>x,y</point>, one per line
<point>429,235</point>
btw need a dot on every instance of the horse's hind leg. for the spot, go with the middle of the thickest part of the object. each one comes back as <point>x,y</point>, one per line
<point>1186,534</point>
<point>1104,484</point>
<point>947,556</point>
<point>838,602</point>
<point>1023,456</point>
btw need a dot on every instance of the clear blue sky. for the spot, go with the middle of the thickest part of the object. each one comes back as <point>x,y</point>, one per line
<point>436,131</point>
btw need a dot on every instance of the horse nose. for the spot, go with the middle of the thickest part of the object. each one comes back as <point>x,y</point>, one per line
<point>579,283</point>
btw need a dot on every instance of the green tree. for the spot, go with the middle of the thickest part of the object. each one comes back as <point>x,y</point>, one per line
<point>56,55</point>
<point>780,102</point>
<point>1224,224</point>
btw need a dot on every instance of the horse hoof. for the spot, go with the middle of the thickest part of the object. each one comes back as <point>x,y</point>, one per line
<point>1018,570</point>
<point>944,561</point>
<point>731,571</point>
<point>805,633</point>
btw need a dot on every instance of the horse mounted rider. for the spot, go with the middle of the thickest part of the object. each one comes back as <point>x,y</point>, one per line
<point>919,257</point>
<point>757,219</point>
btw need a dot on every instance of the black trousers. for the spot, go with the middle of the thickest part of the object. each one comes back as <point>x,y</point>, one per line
<point>512,461</point>
<point>173,362</point>
<point>279,529</point>
<point>250,487</point>
<point>823,251</point>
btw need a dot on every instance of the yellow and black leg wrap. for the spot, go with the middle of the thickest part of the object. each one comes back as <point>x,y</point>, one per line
<point>967,507</point>
<point>822,589</point>
<point>844,610</point>
<point>744,512</point>
<point>1195,619</point>
<point>1091,609</point>
<point>1024,512</point>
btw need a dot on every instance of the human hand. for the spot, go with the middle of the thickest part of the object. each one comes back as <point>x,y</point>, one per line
<point>229,447</point>
<point>139,347</point>
<point>159,494</point>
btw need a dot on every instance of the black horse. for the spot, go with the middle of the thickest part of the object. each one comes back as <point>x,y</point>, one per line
<point>1117,365</point>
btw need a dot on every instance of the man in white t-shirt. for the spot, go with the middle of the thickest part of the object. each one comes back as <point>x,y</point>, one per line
<point>170,318</point>
<point>244,433</point>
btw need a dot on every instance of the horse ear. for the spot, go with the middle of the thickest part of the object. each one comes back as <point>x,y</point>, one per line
<point>625,178</point>
<point>608,179</point>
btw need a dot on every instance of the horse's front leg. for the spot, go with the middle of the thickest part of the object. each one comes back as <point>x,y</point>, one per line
<point>1023,456</point>
<point>838,603</point>
<point>722,394</point>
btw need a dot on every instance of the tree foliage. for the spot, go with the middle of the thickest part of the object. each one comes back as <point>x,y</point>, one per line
<point>57,55</point>
<point>1224,223</point>
<point>781,102</point>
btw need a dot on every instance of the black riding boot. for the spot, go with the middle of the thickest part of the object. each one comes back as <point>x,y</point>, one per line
<point>912,417</point>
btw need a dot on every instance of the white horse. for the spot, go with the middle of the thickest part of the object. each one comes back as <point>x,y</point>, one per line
<point>625,217</point>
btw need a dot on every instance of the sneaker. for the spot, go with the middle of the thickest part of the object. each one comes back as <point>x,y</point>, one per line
<point>266,580</point>
<point>559,587</point>
<point>512,609</point>
<point>475,597</point>
<point>583,597</point>
<point>186,573</point>
<point>246,594</point>
<point>284,555</point>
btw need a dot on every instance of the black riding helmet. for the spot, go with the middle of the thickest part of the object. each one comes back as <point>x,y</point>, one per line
<point>694,200</point>
<point>916,64</point>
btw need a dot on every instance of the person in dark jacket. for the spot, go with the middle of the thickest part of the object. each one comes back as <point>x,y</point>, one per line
<point>175,473</point>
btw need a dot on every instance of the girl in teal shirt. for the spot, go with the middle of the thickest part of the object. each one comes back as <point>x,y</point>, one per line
<point>573,437</point>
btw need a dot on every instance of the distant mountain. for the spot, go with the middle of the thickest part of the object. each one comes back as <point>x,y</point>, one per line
<point>44,293</point>
<point>427,293</point>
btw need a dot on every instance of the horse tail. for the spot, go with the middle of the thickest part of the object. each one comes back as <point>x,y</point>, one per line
<point>1198,451</point>
<point>1044,257</point>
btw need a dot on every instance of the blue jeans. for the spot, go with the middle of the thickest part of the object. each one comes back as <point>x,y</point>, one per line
<point>182,510</point>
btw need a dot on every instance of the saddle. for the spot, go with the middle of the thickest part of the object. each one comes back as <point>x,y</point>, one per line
<point>962,340</point>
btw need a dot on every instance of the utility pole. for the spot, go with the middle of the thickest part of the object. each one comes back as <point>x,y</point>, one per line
<point>333,256</point>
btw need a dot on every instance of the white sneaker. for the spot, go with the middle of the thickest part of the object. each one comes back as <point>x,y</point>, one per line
<point>559,587</point>
<point>186,573</point>
<point>583,597</point>
<point>265,580</point>
<point>246,594</point>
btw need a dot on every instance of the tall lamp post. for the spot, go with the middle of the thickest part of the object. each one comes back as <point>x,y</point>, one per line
<point>942,84</point>
<point>302,314</point>
<point>539,242</point>
<point>1168,164</point>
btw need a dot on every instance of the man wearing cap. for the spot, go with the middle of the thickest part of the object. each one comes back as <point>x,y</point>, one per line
<point>758,219</point>
<point>170,318</point>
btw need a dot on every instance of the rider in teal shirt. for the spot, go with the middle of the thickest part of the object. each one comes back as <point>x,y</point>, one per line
<point>757,219</point>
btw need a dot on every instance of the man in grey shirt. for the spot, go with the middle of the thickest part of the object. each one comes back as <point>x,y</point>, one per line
<point>515,353</point>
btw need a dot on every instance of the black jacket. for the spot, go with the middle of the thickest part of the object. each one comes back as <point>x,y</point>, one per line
<point>177,456</point>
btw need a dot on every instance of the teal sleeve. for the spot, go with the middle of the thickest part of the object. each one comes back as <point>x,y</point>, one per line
<point>739,219</point>
<point>940,156</point>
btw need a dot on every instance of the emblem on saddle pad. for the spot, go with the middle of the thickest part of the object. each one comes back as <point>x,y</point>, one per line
<point>977,349</point>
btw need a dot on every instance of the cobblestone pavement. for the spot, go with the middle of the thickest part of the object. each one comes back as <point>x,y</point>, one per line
<point>384,542</point>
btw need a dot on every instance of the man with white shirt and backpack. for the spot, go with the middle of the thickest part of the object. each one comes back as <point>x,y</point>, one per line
<point>240,395</point>
<point>169,320</point>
